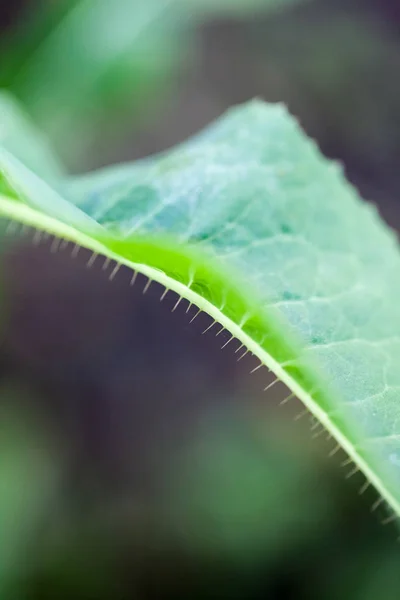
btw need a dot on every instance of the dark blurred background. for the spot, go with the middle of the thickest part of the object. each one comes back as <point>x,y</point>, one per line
<point>138,459</point>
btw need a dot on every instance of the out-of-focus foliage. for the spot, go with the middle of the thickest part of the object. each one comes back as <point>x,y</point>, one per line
<point>107,62</point>
<point>25,141</point>
<point>27,483</point>
<point>103,57</point>
<point>222,521</point>
<point>225,497</point>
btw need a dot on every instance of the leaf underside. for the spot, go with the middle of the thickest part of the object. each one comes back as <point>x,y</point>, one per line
<point>252,225</point>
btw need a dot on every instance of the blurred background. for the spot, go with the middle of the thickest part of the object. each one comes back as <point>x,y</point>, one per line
<point>138,460</point>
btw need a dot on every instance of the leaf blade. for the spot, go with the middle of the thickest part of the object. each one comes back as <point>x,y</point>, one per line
<point>251,224</point>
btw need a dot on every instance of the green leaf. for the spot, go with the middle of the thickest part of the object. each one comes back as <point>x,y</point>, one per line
<point>251,224</point>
